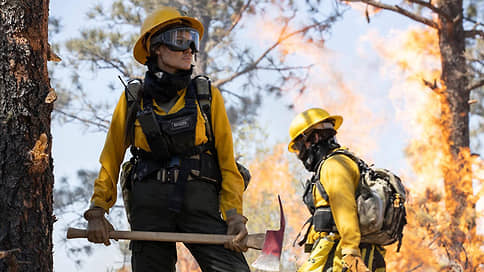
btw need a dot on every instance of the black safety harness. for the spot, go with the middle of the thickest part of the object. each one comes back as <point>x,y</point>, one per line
<point>174,157</point>
<point>321,217</point>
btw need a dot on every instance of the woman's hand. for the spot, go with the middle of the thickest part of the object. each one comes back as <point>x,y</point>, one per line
<point>98,227</point>
<point>236,226</point>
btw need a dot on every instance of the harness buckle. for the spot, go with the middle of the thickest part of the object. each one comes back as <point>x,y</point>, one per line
<point>161,175</point>
<point>176,172</point>
<point>168,175</point>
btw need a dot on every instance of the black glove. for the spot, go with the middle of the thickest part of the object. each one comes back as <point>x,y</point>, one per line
<point>236,226</point>
<point>98,227</point>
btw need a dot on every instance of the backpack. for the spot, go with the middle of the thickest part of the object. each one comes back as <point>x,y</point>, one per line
<point>380,199</point>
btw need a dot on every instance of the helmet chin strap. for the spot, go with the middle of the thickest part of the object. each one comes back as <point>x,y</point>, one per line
<point>312,156</point>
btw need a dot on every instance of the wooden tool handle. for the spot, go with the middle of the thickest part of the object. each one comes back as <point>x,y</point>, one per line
<point>254,241</point>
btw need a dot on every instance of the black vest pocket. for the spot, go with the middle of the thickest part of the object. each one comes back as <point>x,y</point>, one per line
<point>323,220</point>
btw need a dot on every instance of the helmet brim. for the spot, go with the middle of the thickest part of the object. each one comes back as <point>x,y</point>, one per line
<point>338,120</point>
<point>141,53</point>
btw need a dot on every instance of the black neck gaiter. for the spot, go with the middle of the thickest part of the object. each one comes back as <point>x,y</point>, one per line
<point>163,86</point>
<point>317,152</point>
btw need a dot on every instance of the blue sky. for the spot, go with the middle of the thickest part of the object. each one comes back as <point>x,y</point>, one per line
<point>74,148</point>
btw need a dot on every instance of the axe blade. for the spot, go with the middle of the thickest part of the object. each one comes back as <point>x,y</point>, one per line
<point>269,260</point>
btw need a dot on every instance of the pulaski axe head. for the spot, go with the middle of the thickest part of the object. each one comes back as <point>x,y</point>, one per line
<point>269,259</point>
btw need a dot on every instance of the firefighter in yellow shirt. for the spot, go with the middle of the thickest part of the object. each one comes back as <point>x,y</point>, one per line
<point>184,178</point>
<point>333,238</point>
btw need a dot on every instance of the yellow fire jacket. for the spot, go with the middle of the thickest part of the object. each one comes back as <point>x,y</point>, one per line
<point>112,155</point>
<point>340,175</point>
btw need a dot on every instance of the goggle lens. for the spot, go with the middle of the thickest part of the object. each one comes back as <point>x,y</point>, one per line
<point>310,137</point>
<point>178,39</point>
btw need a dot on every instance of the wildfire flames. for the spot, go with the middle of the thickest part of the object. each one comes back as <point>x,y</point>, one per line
<point>441,214</point>
<point>444,190</point>
<point>432,205</point>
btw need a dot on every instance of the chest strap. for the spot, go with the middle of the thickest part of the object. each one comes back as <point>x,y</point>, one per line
<point>157,137</point>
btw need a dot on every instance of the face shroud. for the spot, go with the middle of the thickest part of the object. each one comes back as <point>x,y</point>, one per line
<point>312,146</point>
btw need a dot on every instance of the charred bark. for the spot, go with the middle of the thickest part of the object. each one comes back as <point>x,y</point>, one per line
<point>455,125</point>
<point>454,74</point>
<point>26,179</point>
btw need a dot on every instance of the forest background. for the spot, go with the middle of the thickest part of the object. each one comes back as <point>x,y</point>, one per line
<point>370,68</point>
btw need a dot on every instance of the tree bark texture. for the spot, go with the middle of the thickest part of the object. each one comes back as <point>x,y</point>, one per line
<point>455,126</point>
<point>26,177</point>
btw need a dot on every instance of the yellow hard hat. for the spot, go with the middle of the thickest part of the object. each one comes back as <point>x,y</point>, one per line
<point>307,119</point>
<point>157,20</point>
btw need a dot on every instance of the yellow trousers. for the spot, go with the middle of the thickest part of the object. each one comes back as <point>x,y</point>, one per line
<point>326,256</point>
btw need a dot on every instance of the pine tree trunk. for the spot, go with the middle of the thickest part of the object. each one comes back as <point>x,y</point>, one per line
<point>455,124</point>
<point>26,178</point>
<point>206,21</point>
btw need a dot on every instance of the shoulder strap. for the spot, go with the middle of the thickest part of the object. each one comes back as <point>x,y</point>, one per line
<point>361,166</point>
<point>204,97</point>
<point>133,93</point>
<point>317,181</point>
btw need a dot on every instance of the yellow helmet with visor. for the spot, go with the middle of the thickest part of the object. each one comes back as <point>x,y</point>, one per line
<point>305,122</point>
<point>185,33</point>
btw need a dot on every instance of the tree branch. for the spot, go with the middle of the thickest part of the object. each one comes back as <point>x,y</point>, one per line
<point>473,21</point>
<point>117,64</point>
<point>400,10</point>
<point>239,16</point>
<point>223,90</point>
<point>432,85</point>
<point>87,121</point>
<point>252,66</point>
<point>416,267</point>
<point>234,24</point>
<point>92,109</point>
<point>475,85</point>
<point>287,68</point>
<point>432,8</point>
<point>474,32</point>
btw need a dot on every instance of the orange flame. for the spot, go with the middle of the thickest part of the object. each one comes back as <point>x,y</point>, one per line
<point>271,176</point>
<point>412,61</point>
<point>440,213</point>
<point>326,87</point>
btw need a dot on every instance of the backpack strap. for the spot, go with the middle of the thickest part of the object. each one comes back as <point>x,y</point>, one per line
<point>317,181</point>
<point>362,166</point>
<point>306,234</point>
<point>203,93</point>
<point>204,96</point>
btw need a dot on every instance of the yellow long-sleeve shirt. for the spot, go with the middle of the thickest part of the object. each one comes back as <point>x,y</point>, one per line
<point>339,176</point>
<point>112,155</point>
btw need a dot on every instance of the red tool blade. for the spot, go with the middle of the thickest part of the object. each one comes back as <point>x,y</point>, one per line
<point>269,260</point>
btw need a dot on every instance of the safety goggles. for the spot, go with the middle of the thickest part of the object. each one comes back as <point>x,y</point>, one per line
<point>324,130</point>
<point>178,39</point>
<point>301,140</point>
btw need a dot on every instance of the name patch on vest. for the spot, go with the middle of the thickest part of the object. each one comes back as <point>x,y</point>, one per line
<point>181,123</point>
